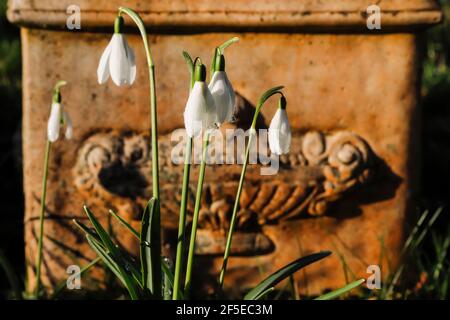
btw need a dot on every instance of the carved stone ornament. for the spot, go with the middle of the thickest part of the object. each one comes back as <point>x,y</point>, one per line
<point>114,168</point>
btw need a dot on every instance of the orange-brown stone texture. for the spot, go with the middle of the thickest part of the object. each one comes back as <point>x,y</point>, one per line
<point>347,185</point>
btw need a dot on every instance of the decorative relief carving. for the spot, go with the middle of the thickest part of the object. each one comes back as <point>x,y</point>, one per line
<point>320,170</point>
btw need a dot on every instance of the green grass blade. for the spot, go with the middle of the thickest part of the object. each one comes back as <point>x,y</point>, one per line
<point>338,292</point>
<point>283,273</point>
<point>150,249</point>
<point>124,223</point>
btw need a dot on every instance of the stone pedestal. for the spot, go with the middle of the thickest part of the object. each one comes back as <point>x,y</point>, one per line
<point>347,185</point>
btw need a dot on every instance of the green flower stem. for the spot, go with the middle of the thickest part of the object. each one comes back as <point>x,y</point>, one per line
<point>182,221</point>
<point>157,285</point>
<point>252,133</point>
<point>151,69</point>
<point>201,177</point>
<point>41,219</point>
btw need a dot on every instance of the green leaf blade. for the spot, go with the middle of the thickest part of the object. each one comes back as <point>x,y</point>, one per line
<point>283,273</point>
<point>150,248</point>
<point>124,223</point>
<point>338,292</point>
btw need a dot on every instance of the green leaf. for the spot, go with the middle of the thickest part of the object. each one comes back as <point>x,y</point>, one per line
<point>114,251</point>
<point>127,262</point>
<point>264,293</point>
<point>227,43</point>
<point>113,266</point>
<point>104,236</point>
<point>106,257</point>
<point>168,273</point>
<point>283,273</point>
<point>338,292</point>
<point>125,224</point>
<point>191,65</point>
<point>189,61</point>
<point>150,244</point>
<point>87,230</point>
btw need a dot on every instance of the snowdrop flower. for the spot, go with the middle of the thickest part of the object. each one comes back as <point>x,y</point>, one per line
<point>118,59</point>
<point>58,118</point>
<point>222,92</point>
<point>280,130</point>
<point>54,122</point>
<point>200,111</point>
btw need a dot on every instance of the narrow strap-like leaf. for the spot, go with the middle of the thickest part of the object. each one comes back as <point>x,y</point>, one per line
<point>150,252</point>
<point>104,236</point>
<point>126,261</point>
<point>283,273</point>
<point>168,273</point>
<point>114,251</point>
<point>124,223</point>
<point>87,230</point>
<point>338,292</point>
<point>106,258</point>
<point>264,293</point>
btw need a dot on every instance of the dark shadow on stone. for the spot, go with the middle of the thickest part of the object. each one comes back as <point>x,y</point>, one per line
<point>125,181</point>
<point>382,186</point>
<point>244,112</point>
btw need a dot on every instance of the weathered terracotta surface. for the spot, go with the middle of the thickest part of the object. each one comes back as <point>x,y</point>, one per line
<point>347,185</point>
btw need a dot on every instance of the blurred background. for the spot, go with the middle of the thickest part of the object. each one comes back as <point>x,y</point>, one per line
<point>427,268</point>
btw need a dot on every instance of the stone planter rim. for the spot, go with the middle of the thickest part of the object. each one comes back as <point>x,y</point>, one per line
<point>180,16</point>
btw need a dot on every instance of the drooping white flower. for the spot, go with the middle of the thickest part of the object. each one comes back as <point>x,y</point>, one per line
<point>223,95</point>
<point>58,119</point>
<point>200,111</point>
<point>280,132</point>
<point>118,59</point>
<point>54,122</point>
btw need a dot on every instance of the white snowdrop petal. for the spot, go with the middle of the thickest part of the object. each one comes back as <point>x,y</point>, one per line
<point>195,110</point>
<point>223,95</point>
<point>119,65</point>
<point>54,122</point>
<point>210,107</point>
<point>233,101</point>
<point>131,61</point>
<point>103,65</point>
<point>69,126</point>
